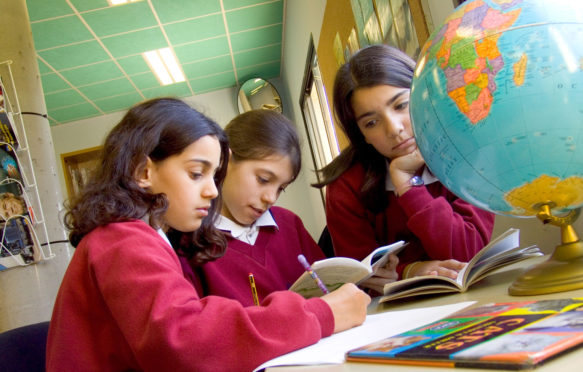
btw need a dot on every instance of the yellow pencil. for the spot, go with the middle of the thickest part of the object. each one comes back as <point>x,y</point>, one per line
<point>253,289</point>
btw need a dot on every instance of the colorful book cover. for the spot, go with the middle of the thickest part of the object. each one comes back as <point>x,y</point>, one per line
<point>6,126</point>
<point>515,335</point>
<point>18,244</point>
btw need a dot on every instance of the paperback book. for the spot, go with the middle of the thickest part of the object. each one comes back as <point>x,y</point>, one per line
<point>336,271</point>
<point>513,335</point>
<point>501,251</point>
<point>6,123</point>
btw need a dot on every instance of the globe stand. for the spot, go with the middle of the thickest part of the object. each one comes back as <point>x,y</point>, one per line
<point>563,271</point>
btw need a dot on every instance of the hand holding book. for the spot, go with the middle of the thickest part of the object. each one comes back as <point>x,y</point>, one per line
<point>336,271</point>
<point>448,268</point>
<point>383,275</point>
<point>501,251</point>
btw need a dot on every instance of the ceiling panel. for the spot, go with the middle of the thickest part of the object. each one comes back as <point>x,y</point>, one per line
<point>256,16</point>
<point>85,5</point>
<point>43,9</point>
<point>213,82</point>
<point>207,67</point>
<point>91,74</point>
<point>74,55</point>
<point>117,103</point>
<point>60,31</point>
<point>258,56</point>
<point>171,11</point>
<point>127,19</point>
<point>53,82</point>
<point>90,53</point>
<point>201,50</point>
<point>136,42</point>
<point>74,112</point>
<point>144,81</point>
<point>202,28</point>
<point>102,90</point>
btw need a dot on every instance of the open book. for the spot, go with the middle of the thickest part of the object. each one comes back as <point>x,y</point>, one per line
<point>503,250</point>
<point>336,271</point>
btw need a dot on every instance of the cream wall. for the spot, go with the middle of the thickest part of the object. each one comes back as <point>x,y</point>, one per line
<point>302,18</point>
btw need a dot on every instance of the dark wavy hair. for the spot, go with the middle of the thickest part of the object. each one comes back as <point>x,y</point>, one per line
<point>374,65</point>
<point>257,134</point>
<point>155,129</point>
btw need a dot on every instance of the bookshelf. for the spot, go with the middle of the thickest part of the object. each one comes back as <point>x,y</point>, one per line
<point>23,232</point>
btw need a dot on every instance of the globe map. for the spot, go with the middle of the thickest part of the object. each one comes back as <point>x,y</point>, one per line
<point>497,104</point>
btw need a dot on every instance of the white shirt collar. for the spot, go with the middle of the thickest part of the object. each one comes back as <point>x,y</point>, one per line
<point>163,235</point>
<point>247,234</point>
<point>427,177</point>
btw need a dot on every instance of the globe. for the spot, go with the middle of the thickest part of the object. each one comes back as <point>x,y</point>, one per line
<point>497,104</point>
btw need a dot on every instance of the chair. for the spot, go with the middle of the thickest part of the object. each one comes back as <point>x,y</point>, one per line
<point>23,349</point>
<point>325,243</point>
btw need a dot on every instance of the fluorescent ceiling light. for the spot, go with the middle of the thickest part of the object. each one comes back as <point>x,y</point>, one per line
<point>120,2</point>
<point>164,65</point>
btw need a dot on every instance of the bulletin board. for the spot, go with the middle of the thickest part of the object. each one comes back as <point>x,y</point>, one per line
<point>349,25</point>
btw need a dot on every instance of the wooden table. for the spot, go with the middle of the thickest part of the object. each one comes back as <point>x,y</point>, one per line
<point>491,289</point>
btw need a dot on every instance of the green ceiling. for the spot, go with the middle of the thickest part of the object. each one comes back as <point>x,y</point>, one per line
<point>89,53</point>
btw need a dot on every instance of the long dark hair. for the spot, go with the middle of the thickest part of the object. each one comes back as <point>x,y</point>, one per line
<point>257,134</point>
<point>371,66</point>
<point>158,128</point>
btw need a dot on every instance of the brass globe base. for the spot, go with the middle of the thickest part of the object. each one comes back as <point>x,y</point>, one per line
<point>563,271</point>
<point>552,275</point>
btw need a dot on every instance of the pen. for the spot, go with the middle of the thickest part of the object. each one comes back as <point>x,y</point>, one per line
<point>253,289</point>
<point>312,273</point>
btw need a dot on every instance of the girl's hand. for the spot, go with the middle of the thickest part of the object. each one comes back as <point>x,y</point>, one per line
<point>348,304</point>
<point>384,275</point>
<point>403,168</point>
<point>448,268</point>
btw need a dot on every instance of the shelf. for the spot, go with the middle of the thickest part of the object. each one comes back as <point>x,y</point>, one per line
<point>21,215</point>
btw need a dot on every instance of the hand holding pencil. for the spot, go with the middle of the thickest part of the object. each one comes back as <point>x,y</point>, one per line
<point>312,273</point>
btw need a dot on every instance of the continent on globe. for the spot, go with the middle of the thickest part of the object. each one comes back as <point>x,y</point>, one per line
<point>563,193</point>
<point>471,64</point>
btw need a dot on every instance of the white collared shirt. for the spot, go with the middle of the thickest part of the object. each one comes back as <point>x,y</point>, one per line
<point>163,235</point>
<point>246,234</point>
<point>427,177</point>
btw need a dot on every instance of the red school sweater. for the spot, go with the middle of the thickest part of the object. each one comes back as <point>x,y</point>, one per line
<point>125,304</point>
<point>273,260</point>
<point>437,224</point>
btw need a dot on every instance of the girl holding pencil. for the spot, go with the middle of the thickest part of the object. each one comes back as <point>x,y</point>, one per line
<point>262,238</point>
<point>126,303</point>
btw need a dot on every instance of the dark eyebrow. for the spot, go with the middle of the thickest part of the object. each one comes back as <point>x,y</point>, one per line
<point>204,162</point>
<point>390,102</point>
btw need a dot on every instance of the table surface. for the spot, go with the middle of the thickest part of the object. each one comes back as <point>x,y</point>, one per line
<point>491,289</point>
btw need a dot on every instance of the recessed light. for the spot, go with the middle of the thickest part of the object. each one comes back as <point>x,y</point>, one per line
<point>120,2</point>
<point>164,65</point>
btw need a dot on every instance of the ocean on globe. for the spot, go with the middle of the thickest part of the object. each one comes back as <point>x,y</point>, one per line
<point>497,104</point>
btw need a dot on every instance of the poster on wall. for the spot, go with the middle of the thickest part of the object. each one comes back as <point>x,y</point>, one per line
<point>386,21</point>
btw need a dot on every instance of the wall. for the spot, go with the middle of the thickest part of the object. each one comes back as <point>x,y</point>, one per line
<point>302,18</point>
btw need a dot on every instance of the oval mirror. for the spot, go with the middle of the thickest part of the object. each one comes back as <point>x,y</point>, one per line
<point>258,93</point>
